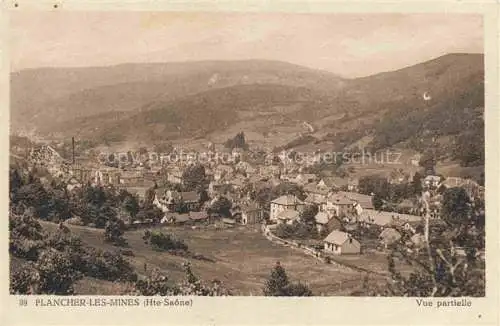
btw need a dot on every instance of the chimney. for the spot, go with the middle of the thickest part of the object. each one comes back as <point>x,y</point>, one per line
<point>73,148</point>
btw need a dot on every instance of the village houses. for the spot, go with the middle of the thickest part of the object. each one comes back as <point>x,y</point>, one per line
<point>316,196</point>
<point>170,201</point>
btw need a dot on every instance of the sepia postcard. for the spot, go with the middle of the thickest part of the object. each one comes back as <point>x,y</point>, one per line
<point>256,163</point>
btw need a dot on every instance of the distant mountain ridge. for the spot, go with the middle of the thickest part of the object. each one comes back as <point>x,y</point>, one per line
<point>64,93</point>
<point>158,102</point>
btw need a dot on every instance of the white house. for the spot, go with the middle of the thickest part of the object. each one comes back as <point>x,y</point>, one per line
<point>286,202</point>
<point>341,243</point>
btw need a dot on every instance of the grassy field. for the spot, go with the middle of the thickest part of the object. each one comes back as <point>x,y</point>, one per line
<point>376,261</point>
<point>242,260</point>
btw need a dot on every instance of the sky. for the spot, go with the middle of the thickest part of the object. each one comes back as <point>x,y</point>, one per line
<point>351,45</point>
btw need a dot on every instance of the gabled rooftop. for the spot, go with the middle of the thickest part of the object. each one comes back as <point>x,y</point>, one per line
<point>337,237</point>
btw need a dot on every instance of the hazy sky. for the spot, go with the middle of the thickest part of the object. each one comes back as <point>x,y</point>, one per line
<point>348,44</point>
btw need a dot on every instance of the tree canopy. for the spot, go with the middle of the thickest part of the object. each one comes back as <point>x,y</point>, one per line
<point>278,285</point>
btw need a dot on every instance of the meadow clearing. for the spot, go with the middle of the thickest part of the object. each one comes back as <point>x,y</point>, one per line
<point>240,257</point>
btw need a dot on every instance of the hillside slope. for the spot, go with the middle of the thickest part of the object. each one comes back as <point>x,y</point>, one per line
<point>390,107</point>
<point>210,111</point>
<point>60,94</point>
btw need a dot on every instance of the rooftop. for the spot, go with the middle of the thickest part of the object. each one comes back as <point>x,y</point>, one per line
<point>287,200</point>
<point>339,199</point>
<point>383,218</point>
<point>364,200</point>
<point>337,237</point>
<point>288,215</point>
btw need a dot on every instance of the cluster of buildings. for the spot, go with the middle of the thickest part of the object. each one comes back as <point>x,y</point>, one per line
<point>340,212</point>
<point>340,207</point>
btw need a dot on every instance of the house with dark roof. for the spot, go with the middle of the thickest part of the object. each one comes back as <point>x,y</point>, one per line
<point>341,243</point>
<point>72,183</point>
